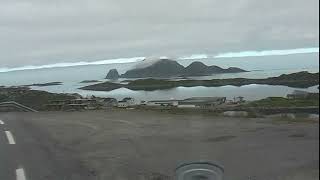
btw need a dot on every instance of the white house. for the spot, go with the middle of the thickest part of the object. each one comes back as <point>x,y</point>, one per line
<point>126,102</point>
<point>203,102</point>
<point>163,103</point>
<point>129,100</point>
<point>123,104</point>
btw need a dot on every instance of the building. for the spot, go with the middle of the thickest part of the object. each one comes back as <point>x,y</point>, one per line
<point>126,102</point>
<point>105,102</point>
<point>203,102</point>
<point>56,105</point>
<point>187,106</point>
<point>143,103</point>
<point>297,94</point>
<point>129,100</point>
<point>163,103</point>
<point>82,104</point>
<point>123,104</point>
<point>238,100</point>
<point>74,104</point>
<point>110,102</point>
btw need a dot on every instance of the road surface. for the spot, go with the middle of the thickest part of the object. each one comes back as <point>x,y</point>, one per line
<point>28,154</point>
<point>147,145</point>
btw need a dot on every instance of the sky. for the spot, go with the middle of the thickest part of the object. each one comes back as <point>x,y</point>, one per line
<point>42,32</point>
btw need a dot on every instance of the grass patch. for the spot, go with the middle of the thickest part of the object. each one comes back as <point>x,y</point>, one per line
<point>283,102</point>
<point>32,98</point>
<point>293,121</point>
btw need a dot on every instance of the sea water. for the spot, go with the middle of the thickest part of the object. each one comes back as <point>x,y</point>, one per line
<point>259,68</point>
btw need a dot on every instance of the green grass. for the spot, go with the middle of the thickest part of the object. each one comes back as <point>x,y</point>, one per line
<point>283,102</point>
<point>32,98</point>
<point>302,79</point>
<point>293,121</point>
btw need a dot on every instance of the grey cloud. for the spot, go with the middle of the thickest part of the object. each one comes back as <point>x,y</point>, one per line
<point>43,32</point>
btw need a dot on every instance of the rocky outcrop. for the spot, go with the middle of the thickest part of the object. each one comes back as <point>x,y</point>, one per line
<point>165,68</point>
<point>200,69</point>
<point>161,68</point>
<point>295,80</point>
<point>113,74</point>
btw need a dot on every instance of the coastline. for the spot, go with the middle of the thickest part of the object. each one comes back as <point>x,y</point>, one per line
<point>44,101</point>
<point>301,79</point>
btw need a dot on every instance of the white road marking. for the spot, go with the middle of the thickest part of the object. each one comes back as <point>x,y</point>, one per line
<point>20,174</point>
<point>10,137</point>
<point>1,122</point>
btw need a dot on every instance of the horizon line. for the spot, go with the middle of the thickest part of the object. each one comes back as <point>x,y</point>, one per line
<point>241,54</point>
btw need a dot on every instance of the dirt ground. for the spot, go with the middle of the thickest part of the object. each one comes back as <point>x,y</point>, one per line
<point>148,145</point>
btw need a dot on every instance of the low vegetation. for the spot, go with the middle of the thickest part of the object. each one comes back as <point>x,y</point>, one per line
<point>90,81</point>
<point>298,80</point>
<point>283,102</point>
<point>45,84</point>
<point>32,98</point>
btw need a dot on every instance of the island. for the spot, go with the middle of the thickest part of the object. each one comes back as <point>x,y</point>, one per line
<point>90,81</point>
<point>166,68</point>
<point>45,84</point>
<point>113,74</point>
<point>302,79</point>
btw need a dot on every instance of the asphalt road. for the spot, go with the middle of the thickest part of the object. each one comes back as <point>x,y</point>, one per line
<point>138,145</point>
<point>29,154</point>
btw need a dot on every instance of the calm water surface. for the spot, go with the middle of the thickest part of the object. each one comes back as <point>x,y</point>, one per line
<point>72,76</point>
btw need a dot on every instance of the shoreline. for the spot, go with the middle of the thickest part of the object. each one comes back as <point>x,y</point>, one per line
<point>27,96</point>
<point>46,101</point>
<point>295,80</point>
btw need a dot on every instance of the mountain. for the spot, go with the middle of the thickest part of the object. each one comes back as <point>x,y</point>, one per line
<point>195,68</point>
<point>170,68</point>
<point>234,70</point>
<point>161,68</point>
<point>200,69</point>
<point>113,74</point>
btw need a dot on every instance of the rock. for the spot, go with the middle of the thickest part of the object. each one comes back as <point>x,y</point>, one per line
<point>200,69</point>
<point>45,84</point>
<point>90,81</point>
<point>161,68</point>
<point>166,68</point>
<point>113,74</point>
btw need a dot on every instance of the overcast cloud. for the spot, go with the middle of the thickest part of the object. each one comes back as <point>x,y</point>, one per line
<point>37,32</point>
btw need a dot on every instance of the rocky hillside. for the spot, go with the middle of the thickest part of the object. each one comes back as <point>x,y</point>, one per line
<point>168,68</point>
<point>200,69</point>
<point>113,74</point>
<point>162,68</point>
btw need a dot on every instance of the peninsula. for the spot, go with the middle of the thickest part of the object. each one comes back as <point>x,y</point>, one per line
<point>297,80</point>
